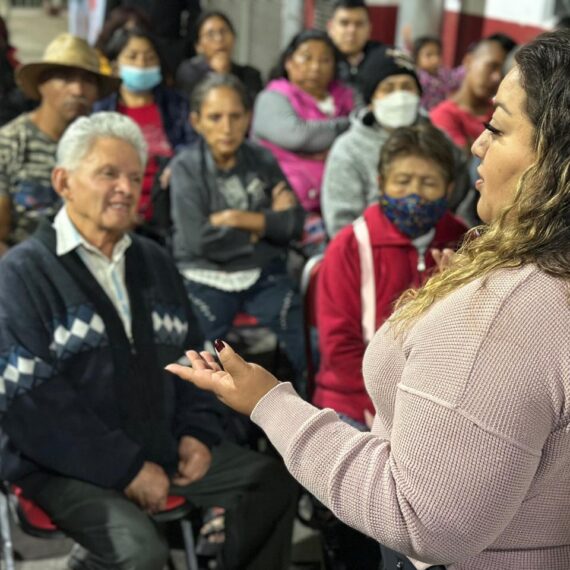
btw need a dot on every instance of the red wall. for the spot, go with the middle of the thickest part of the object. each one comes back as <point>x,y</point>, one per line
<point>461,30</point>
<point>384,19</point>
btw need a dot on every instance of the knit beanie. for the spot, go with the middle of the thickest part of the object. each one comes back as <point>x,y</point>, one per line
<point>381,63</point>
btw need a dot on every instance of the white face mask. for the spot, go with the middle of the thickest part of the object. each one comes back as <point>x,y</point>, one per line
<point>399,109</point>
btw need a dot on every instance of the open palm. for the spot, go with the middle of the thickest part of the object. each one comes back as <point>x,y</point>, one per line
<point>240,385</point>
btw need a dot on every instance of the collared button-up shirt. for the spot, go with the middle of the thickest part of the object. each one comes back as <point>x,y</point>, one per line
<point>109,273</point>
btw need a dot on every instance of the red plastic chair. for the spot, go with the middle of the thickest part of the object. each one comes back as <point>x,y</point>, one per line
<point>247,321</point>
<point>36,522</point>
<point>309,298</point>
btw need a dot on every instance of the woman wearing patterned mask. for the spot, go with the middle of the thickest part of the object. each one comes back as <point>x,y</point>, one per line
<point>391,91</point>
<point>368,265</point>
<point>160,112</point>
<point>372,261</point>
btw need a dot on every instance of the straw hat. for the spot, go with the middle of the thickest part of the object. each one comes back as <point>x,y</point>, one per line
<point>65,52</point>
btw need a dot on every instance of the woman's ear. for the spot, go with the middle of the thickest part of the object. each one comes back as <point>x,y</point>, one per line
<point>450,188</point>
<point>380,181</point>
<point>287,65</point>
<point>194,120</point>
<point>114,68</point>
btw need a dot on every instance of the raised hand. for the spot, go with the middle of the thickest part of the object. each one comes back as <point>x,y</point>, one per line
<point>442,257</point>
<point>240,385</point>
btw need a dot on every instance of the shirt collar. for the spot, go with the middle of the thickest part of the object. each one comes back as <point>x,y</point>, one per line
<point>68,238</point>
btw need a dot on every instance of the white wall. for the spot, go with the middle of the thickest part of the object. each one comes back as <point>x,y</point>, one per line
<point>259,29</point>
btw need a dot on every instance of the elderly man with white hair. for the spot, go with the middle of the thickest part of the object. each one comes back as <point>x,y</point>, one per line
<point>93,428</point>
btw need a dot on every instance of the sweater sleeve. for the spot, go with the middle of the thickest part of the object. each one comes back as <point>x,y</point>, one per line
<point>190,210</point>
<point>471,416</point>
<point>341,344</point>
<point>275,120</point>
<point>42,415</point>
<point>343,195</point>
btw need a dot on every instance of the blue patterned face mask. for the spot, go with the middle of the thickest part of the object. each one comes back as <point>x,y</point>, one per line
<point>413,215</point>
<point>140,79</point>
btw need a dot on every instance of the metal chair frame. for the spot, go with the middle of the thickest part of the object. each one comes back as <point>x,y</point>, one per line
<point>10,509</point>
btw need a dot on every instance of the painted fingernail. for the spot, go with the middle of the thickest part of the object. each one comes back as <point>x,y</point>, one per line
<point>219,345</point>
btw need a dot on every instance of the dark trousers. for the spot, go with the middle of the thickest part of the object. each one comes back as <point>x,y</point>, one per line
<point>273,300</point>
<point>257,491</point>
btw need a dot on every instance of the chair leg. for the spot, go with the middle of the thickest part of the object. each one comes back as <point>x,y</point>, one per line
<point>189,546</point>
<point>7,546</point>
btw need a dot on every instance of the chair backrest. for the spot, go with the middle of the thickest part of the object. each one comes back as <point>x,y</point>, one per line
<point>309,297</point>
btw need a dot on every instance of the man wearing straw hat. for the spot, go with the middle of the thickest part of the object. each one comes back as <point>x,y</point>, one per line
<point>66,82</point>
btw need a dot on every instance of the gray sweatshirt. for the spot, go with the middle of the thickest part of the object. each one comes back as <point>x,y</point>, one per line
<point>350,183</point>
<point>275,120</point>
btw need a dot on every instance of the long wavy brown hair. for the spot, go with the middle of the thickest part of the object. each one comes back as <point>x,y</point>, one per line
<point>535,227</point>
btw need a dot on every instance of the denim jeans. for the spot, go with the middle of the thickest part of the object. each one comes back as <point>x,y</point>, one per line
<point>274,301</point>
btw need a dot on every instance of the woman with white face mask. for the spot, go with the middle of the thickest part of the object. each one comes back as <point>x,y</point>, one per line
<point>161,113</point>
<point>391,92</point>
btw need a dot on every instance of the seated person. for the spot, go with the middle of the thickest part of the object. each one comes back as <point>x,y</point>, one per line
<point>94,430</point>
<point>234,218</point>
<point>121,17</point>
<point>14,102</point>
<point>349,28</point>
<point>462,115</point>
<point>160,112</point>
<point>391,91</point>
<point>301,112</point>
<point>371,262</point>
<point>437,80</point>
<point>171,23</point>
<point>67,82</point>
<point>214,39</point>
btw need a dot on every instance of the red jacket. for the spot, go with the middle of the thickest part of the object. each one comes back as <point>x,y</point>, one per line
<point>339,307</point>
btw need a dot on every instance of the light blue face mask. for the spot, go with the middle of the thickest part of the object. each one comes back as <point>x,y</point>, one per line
<point>140,79</point>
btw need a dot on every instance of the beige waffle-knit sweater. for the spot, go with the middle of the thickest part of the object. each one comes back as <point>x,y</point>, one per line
<point>468,461</point>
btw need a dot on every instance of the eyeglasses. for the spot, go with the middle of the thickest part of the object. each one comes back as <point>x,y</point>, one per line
<point>305,59</point>
<point>215,34</point>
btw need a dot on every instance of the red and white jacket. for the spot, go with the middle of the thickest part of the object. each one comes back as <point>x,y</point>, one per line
<point>366,267</point>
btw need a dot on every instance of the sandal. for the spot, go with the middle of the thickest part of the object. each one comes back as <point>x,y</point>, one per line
<point>212,534</point>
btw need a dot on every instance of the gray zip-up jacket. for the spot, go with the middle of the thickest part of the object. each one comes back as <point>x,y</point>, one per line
<point>197,192</point>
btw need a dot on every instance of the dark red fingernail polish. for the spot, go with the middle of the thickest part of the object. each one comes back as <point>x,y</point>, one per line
<point>219,345</point>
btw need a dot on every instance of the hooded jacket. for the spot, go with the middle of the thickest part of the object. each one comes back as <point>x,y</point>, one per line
<point>397,266</point>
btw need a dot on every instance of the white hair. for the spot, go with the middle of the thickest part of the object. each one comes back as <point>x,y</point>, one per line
<point>81,135</point>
